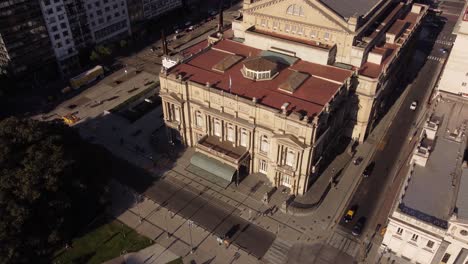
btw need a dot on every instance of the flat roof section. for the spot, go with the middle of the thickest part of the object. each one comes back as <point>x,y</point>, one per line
<point>347,8</point>
<point>431,192</point>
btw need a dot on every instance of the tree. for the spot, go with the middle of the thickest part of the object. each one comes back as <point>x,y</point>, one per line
<point>94,56</point>
<point>51,183</point>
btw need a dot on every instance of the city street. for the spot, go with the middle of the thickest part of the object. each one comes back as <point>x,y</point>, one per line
<point>376,193</point>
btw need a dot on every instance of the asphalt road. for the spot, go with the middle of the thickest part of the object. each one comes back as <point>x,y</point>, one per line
<point>370,191</point>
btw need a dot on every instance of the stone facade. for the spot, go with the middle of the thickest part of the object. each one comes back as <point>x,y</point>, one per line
<point>285,147</point>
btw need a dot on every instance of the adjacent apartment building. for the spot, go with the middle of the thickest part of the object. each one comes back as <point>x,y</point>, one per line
<point>56,30</point>
<point>455,77</point>
<point>429,223</point>
<point>275,93</point>
<point>24,41</point>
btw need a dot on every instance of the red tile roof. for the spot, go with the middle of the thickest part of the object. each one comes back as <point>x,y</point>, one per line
<point>373,70</point>
<point>310,97</point>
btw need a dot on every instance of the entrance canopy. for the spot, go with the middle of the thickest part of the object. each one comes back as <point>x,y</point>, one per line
<point>214,167</point>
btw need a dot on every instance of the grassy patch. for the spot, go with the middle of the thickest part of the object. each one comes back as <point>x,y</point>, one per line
<point>104,241</point>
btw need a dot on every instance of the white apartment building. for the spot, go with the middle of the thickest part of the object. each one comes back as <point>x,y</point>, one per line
<point>455,77</point>
<point>58,26</point>
<point>154,8</point>
<point>430,221</point>
<point>107,19</point>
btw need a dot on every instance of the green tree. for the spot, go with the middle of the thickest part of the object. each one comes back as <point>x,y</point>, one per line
<point>94,56</point>
<point>51,184</point>
<point>123,43</point>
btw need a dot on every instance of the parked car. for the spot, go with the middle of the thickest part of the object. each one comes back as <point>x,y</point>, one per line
<point>358,160</point>
<point>350,214</point>
<point>357,228</point>
<point>413,105</point>
<point>368,170</point>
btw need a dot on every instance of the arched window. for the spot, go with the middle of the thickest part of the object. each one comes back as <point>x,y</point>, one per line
<point>198,119</point>
<point>217,128</point>
<point>230,134</point>
<point>244,138</point>
<point>176,113</point>
<point>264,144</point>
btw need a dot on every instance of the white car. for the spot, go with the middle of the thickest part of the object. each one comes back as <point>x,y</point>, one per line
<point>413,105</point>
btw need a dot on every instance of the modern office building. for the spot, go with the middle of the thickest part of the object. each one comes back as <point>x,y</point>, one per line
<point>455,77</point>
<point>429,223</point>
<point>374,37</point>
<point>24,43</point>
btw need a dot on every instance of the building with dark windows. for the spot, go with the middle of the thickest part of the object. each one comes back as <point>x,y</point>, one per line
<point>24,42</point>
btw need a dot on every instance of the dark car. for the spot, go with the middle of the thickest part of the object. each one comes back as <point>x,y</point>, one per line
<point>350,214</point>
<point>358,160</point>
<point>368,170</point>
<point>357,228</point>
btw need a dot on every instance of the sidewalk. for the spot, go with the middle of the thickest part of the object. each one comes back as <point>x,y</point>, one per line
<point>155,222</point>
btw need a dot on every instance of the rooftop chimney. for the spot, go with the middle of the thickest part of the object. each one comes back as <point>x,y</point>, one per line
<point>284,108</point>
<point>164,42</point>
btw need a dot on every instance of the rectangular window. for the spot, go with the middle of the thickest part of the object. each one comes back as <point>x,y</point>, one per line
<point>313,33</point>
<point>65,33</point>
<point>286,27</point>
<point>54,28</point>
<point>293,29</point>
<point>290,156</point>
<point>286,180</point>
<point>430,244</point>
<point>464,84</point>
<point>198,120</point>
<point>414,237</point>
<point>230,134</point>
<point>446,258</point>
<point>217,128</point>
<point>176,114</point>
<point>57,36</point>
<point>263,166</point>
<point>300,30</point>
<point>326,35</point>
<point>399,231</point>
<point>275,24</point>
<point>263,23</point>
<point>50,11</point>
<point>63,25</point>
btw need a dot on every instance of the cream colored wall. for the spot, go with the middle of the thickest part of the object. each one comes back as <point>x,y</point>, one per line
<point>365,92</point>
<point>402,245</point>
<point>316,19</point>
<point>258,120</point>
<point>307,53</point>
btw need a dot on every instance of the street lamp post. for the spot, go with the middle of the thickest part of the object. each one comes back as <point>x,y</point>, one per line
<point>167,224</point>
<point>190,223</point>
